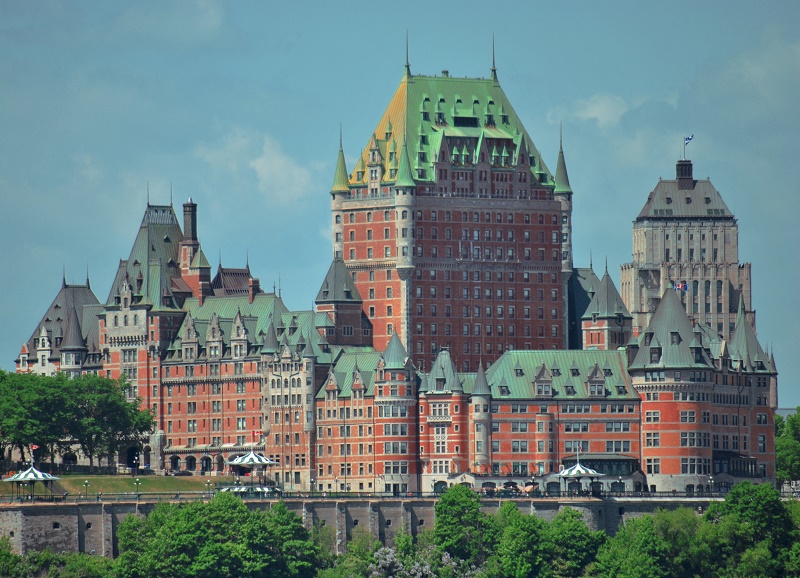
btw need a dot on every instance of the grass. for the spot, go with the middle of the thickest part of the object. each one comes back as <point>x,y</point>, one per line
<point>74,484</point>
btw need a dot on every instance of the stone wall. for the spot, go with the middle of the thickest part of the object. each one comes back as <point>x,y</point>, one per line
<point>91,527</point>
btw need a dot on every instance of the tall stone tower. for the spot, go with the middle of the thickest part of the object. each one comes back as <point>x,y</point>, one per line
<point>686,237</point>
<point>450,225</point>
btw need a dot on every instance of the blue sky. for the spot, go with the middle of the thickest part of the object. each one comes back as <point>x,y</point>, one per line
<point>238,105</point>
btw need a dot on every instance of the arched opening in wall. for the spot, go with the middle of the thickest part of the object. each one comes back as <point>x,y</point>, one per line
<point>132,458</point>
<point>69,459</point>
<point>220,463</point>
<point>205,464</point>
<point>174,463</point>
<point>191,463</point>
<point>146,457</point>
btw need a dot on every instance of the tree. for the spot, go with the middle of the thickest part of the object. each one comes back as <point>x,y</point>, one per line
<point>461,529</point>
<point>219,538</point>
<point>522,550</point>
<point>572,545</point>
<point>636,551</point>
<point>787,459</point>
<point>104,419</point>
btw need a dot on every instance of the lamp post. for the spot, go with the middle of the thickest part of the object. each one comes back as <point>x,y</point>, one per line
<point>621,484</point>
<point>86,485</point>
<point>208,488</point>
<point>336,484</point>
<point>311,483</point>
<point>137,482</point>
<point>711,483</point>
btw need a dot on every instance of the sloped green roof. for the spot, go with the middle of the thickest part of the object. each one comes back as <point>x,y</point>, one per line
<point>413,109</point>
<point>672,331</point>
<point>443,368</point>
<point>404,178</point>
<point>395,355</point>
<point>340,184</point>
<point>606,303</point>
<point>338,285</point>
<point>366,362</point>
<point>581,282</point>
<point>481,385</point>
<point>156,245</point>
<point>744,345</point>
<point>517,370</point>
<point>562,177</point>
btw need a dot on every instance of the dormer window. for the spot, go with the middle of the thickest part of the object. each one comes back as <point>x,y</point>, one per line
<point>570,390</point>
<point>519,372</point>
<point>597,389</point>
<point>648,338</point>
<point>655,354</point>
<point>504,390</point>
<point>575,372</point>
<point>556,372</point>
<point>544,389</point>
<point>440,384</point>
<point>674,337</point>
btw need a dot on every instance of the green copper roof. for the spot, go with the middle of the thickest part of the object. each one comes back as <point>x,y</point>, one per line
<point>338,285</point>
<point>516,374</point>
<point>340,184</point>
<point>395,355</point>
<point>671,331</point>
<point>481,386</point>
<point>562,178</point>
<point>443,376</point>
<point>606,303</point>
<point>404,178</point>
<point>200,261</point>
<point>427,106</point>
<point>744,345</point>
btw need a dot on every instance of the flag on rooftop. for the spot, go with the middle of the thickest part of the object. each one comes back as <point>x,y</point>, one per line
<point>687,139</point>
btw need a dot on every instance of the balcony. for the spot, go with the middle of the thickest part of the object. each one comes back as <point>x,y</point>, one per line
<point>440,418</point>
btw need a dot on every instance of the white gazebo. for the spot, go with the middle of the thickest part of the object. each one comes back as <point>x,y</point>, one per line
<point>252,460</point>
<point>30,477</point>
<point>578,472</point>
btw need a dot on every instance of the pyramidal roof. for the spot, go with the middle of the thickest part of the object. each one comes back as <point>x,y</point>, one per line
<point>606,302</point>
<point>744,346</point>
<point>338,285</point>
<point>471,109</point>
<point>671,331</point>
<point>684,197</point>
<point>443,375</point>
<point>395,355</point>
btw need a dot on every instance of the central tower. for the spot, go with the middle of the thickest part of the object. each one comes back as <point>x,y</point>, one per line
<point>449,225</point>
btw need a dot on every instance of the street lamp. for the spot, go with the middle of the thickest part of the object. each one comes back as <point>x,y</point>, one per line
<point>86,485</point>
<point>711,483</point>
<point>137,482</point>
<point>621,484</point>
<point>208,488</point>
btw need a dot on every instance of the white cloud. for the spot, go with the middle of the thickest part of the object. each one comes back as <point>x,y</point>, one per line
<point>605,109</point>
<point>258,162</point>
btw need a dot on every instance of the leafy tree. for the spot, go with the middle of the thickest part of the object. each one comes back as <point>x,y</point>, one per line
<point>636,551</point>
<point>104,419</point>
<point>220,538</point>
<point>787,459</point>
<point>572,545</point>
<point>359,556</point>
<point>461,529</point>
<point>522,550</point>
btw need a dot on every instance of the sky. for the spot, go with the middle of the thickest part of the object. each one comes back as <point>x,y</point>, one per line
<point>239,105</point>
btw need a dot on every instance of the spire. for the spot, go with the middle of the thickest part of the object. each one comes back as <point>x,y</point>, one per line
<point>87,277</point>
<point>562,178</point>
<point>494,68</point>
<point>63,276</point>
<point>340,183</point>
<point>407,74</point>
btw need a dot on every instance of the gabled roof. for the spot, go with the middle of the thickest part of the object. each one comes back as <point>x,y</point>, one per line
<point>672,332</point>
<point>606,303</point>
<point>338,285</point>
<point>349,363</point>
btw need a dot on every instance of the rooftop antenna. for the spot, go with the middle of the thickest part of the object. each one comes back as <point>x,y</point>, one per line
<point>148,193</point>
<point>279,286</point>
<point>87,276</point>
<point>590,260</point>
<point>340,136</point>
<point>170,193</point>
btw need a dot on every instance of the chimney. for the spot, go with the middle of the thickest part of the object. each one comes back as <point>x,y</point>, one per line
<point>190,220</point>
<point>254,287</point>
<point>683,173</point>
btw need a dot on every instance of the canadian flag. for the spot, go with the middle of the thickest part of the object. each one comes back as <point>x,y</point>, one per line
<point>34,447</point>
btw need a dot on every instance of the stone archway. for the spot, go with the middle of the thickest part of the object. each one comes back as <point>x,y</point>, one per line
<point>205,464</point>
<point>191,463</point>
<point>175,463</point>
